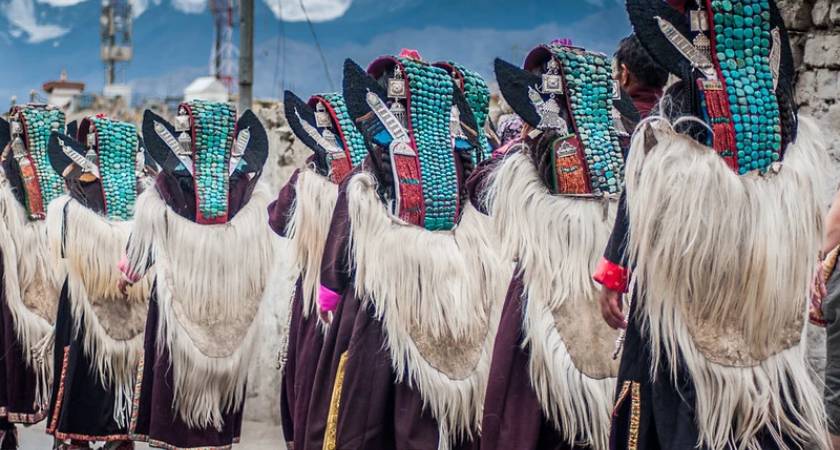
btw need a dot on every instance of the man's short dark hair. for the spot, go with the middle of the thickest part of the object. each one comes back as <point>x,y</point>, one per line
<point>632,54</point>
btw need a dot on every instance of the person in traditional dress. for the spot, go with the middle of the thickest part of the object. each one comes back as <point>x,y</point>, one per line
<point>28,282</point>
<point>409,272</point>
<point>724,234</point>
<point>302,212</point>
<point>204,228</point>
<point>99,331</point>
<point>553,199</point>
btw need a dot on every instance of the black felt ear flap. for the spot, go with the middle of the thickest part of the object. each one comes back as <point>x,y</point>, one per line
<point>256,152</point>
<point>513,84</point>
<point>157,147</point>
<point>643,14</point>
<point>787,72</point>
<point>357,83</point>
<point>467,116</point>
<point>627,108</point>
<point>148,160</point>
<point>296,110</point>
<point>59,160</point>
<point>73,129</point>
<point>5,134</point>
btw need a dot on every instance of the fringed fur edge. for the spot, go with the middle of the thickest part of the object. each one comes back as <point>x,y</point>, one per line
<point>753,265</point>
<point>557,242</point>
<point>25,254</point>
<point>206,266</point>
<point>578,405</point>
<point>92,272</point>
<point>449,283</point>
<point>308,228</point>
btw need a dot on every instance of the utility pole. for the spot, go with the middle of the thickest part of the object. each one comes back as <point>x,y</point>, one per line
<point>246,54</point>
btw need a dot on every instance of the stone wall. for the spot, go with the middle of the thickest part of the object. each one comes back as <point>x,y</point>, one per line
<point>815,37</point>
<point>814,27</point>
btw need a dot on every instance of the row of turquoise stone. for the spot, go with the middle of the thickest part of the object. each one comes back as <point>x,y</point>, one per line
<point>40,122</point>
<point>117,159</point>
<point>430,90</point>
<point>214,127</point>
<point>478,97</point>
<point>589,85</point>
<point>354,138</point>
<point>743,44</point>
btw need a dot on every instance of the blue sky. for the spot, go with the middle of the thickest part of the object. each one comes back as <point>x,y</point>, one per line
<point>172,38</point>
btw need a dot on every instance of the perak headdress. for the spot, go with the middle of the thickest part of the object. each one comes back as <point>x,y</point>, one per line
<point>412,112</point>
<point>208,146</point>
<point>736,66</point>
<point>570,92</point>
<point>106,152</point>
<point>36,183</point>
<point>324,125</point>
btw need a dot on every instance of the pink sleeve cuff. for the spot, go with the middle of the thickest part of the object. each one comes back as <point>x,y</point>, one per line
<point>327,299</point>
<point>611,275</point>
<point>127,274</point>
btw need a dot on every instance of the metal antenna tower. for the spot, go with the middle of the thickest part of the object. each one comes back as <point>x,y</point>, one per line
<point>224,56</point>
<point>115,26</point>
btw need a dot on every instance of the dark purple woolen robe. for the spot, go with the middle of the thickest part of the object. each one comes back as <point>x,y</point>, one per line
<point>513,417</point>
<point>17,379</point>
<point>375,411</point>
<point>81,407</point>
<point>305,335</point>
<point>153,418</point>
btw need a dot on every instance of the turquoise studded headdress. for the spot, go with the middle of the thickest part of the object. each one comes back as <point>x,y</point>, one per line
<point>331,112</point>
<point>736,66</point>
<point>106,152</point>
<point>411,109</point>
<point>30,129</point>
<point>568,92</point>
<point>324,125</point>
<point>208,145</point>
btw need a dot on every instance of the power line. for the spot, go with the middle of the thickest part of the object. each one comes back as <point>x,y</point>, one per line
<point>281,48</point>
<point>318,46</point>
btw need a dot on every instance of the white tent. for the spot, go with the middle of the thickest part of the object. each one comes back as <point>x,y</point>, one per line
<point>206,88</point>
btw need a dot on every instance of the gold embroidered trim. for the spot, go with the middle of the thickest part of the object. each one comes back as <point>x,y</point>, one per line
<point>23,418</point>
<point>331,434</point>
<point>135,402</point>
<point>625,389</point>
<point>635,413</point>
<point>91,438</point>
<point>65,361</point>
<point>830,262</point>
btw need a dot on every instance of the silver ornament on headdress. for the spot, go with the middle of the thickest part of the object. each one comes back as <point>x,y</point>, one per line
<point>549,112</point>
<point>552,81</point>
<point>396,85</point>
<point>87,163</point>
<point>322,117</point>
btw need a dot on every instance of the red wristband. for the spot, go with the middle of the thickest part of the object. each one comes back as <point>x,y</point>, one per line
<point>611,275</point>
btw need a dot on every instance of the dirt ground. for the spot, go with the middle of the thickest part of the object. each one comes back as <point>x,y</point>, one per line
<point>255,436</point>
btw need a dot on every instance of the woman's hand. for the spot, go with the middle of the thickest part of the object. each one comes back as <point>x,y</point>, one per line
<point>611,306</point>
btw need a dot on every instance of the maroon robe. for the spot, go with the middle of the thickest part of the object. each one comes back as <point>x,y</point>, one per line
<point>375,411</point>
<point>17,379</point>
<point>153,418</point>
<point>513,417</point>
<point>305,335</point>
